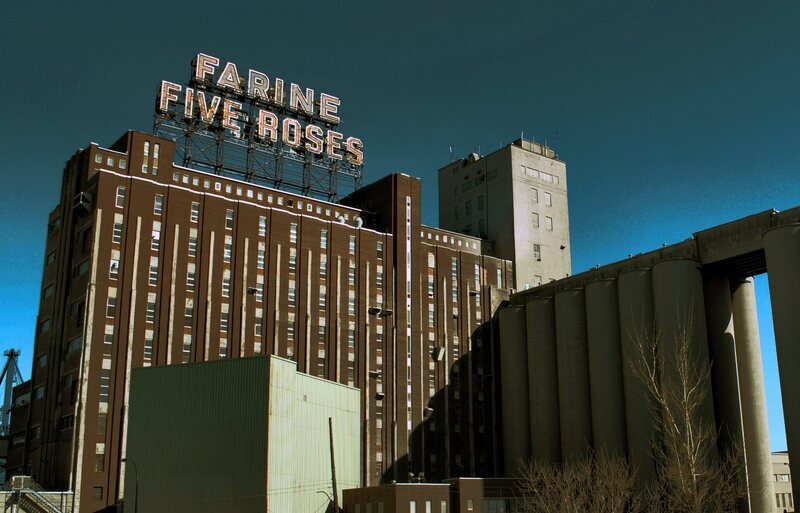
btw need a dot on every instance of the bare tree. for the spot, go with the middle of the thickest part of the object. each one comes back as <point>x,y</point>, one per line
<point>693,477</point>
<point>600,482</point>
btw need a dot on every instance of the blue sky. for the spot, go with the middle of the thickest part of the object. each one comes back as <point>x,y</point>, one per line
<point>672,116</point>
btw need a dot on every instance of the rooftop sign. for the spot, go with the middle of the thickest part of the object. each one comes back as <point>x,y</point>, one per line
<point>258,128</point>
<point>296,116</point>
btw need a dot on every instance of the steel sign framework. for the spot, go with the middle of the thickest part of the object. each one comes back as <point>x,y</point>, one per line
<point>230,141</point>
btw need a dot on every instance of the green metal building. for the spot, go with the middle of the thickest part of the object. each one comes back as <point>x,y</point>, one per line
<point>244,435</point>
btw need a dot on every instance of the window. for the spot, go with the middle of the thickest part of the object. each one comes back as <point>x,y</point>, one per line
<point>195,214</point>
<point>148,347</point>
<point>537,251</point>
<point>292,292</point>
<point>292,260</point>
<point>158,205</point>
<point>380,250</point>
<point>108,336</point>
<point>111,302</point>
<point>323,296</point>
<point>116,236</point>
<point>151,307</point>
<point>323,239</point>
<point>229,219</point>
<point>548,199</point>
<point>147,148</point>
<point>188,315</point>
<point>224,318</point>
<point>535,195</point>
<point>120,196</point>
<point>468,207</point>
<point>187,348</point>
<point>153,278</point>
<point>190,276</point>
<point>192,242</point>
<point>113,267</point>
<point>228,250</point>
<point>51,257</point>
<point>98,158</point>
<point>262,226</point>
<point>293,233</point>
<point>262,249</point>
<point>226,283</point>
<point>99,454</point>
<point>155,241</point>
<point>260,288</point>
<point>351,273</point>
<point>123,164</point>
<point>352,245</point>
<point>480,202</point>
<point>535,219</point>
<point>499,278</point>
<point>548,223</point>
<point>412,506</point>
<point>323,265</point>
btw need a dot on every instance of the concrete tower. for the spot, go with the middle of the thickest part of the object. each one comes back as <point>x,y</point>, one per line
<point>516,198</point>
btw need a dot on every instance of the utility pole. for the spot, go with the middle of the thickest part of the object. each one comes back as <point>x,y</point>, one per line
<point>333,468</point>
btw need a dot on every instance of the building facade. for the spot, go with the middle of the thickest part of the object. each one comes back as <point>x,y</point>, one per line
<point>784,500</point>
<point>569,347</point>
<point>148,263</point>
<point>528,222</point>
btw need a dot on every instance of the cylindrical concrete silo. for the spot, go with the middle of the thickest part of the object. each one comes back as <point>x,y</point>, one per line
<point>543,381</point>
<point>680,317</point>
<point>514,388</point>
<point>605,368</point>
<point>782,247</point>
<point>634,290</point>
<point>575,410</point>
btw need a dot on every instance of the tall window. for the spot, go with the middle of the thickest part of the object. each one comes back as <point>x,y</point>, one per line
<point>292,260</point>
<point>116,236</point>
<point>260,288</point>
<point>111,302</point>
<point>548,199</point>
<point>548,223</point>
<point>158,205</point>
<point>262,249</point>
<point>535,219</point>
<point>155,240</point>
<point>151,307</point>
<point>262,226</point>
<point>188,315</point>
<point>195,214</point>
<point>323,265</point>
<point>190,276</point>
<point>293,233</point>
<point>192,242</point>
<point>228,251</point>
<point>537,251</point>
<point>120,196</point>
<point>352,245</point>
<point>323,239</point>
<point>226,283</point>
<point>153,277</point>
<point>224,318</point>
<point>229,219</point>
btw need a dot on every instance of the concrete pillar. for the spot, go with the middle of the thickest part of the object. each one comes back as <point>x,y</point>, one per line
<point>543,381</point>
<point>574,400</point>
<point>782,247</point>
<point>758,452</point>
<point>722,351</point>
<point>679,309</point>
<point>514,389</point>
<point>605,368</point>
<point>636,320</point>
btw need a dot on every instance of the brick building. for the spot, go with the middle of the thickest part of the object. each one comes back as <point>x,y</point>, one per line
<point>148,263</point>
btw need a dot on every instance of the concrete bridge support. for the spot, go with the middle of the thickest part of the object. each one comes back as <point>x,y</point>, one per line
<point>782,248</point>
<point>758,452</point>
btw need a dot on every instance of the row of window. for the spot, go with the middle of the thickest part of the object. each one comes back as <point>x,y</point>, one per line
<point>249,193</point>
<point>453,241</point>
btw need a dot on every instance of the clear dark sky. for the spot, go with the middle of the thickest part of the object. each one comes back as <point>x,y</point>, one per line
<point>672,116</point>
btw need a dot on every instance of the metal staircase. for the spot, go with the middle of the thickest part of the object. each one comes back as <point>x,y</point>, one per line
<point>32,498</point>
